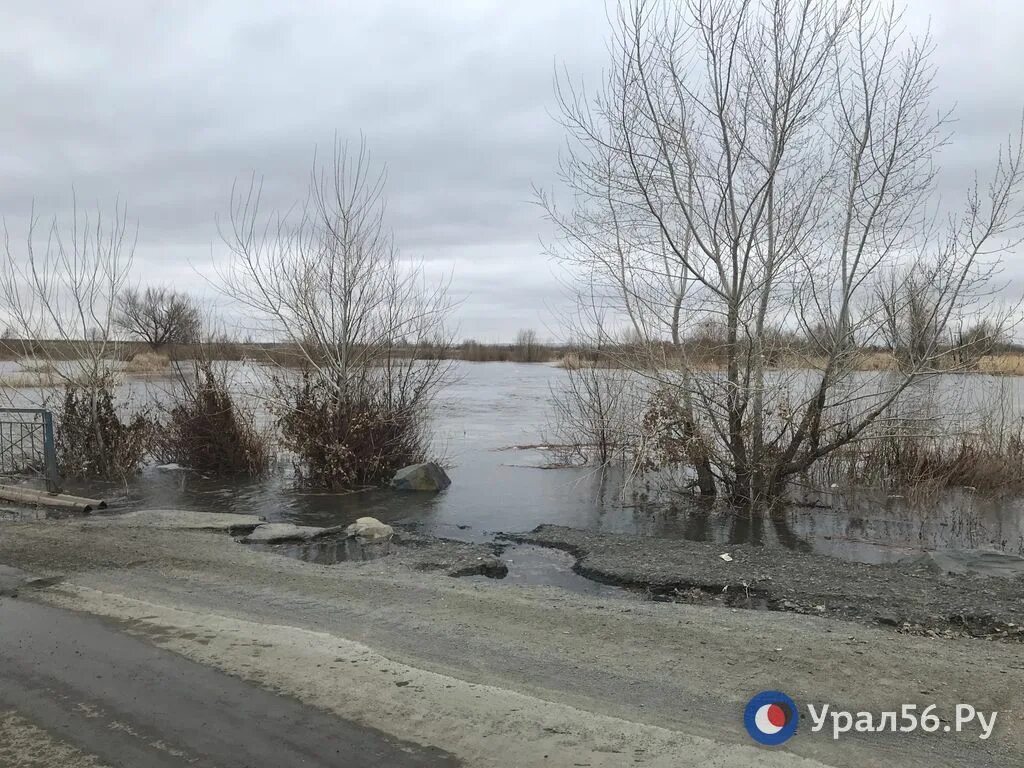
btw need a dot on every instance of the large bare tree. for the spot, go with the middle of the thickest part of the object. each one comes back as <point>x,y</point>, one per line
<point>763,165</point>
<point>158,316</point>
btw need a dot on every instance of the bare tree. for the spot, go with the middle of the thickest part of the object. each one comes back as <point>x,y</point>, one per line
<point>367,323</point>
<point>908,301</point>
<point>59,292</point>
<point>597,413</point>
<point>971,342</point>
<point>770,165</point>
<point>62,285</point>
<point>527,350</point>
<point>158,316</point>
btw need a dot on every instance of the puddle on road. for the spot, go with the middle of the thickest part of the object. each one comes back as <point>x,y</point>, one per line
<point>527,564</point>
<point>532,565</point>
<point>329,551</point>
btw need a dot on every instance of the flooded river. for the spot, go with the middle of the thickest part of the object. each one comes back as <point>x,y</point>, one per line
<point>486,422</point>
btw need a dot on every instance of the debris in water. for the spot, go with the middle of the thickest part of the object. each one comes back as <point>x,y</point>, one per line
<point>726,556</point>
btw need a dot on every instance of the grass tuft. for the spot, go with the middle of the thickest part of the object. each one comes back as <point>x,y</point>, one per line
<point>147,363</point>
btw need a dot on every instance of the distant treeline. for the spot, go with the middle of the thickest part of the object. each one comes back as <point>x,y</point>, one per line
<point>279,353</point>
<point>699,353</point>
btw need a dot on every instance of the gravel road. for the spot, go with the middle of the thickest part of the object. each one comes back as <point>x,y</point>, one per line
<point>500,675</point>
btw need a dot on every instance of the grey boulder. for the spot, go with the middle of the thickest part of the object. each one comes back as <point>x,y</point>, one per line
<point>421,477</point>
<point>370,529</point>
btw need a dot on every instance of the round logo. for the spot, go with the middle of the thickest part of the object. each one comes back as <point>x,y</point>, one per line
<point>771,718</point>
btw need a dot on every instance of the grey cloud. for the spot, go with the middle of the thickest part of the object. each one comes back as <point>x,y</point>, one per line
<point>164,105</point>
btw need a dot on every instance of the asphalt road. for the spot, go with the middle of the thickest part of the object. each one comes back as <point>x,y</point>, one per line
<point>131,704</point>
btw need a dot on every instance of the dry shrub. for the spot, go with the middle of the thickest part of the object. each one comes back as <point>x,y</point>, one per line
<point>867,360</point>
<point>147,363</point>
<point>277,355</point>
<point>368,324</point>
<point>588,357</point>
<point>988,462</point>
<point>596,413</point>
<point>571,361</point>
<point>49,378</point>
<point>348,437</point>
<point>92,440</point>
<point>208,431</point>
<point>672,438</point>
<point>1004,364</point>
<point>30,380</point>
<point>473,351</point>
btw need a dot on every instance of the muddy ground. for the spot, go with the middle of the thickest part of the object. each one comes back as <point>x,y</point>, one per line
<point>505,675</point>
<point>910,597</point>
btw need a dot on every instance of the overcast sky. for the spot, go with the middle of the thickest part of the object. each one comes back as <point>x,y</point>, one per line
<point>165,104</point>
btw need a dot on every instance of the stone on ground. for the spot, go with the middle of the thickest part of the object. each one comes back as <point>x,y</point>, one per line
<point>370,529</point>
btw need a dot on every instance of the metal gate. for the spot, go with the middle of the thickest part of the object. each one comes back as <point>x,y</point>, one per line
<point>27,446</point>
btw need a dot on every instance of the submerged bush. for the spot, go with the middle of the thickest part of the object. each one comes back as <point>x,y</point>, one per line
<point>207,430</point>
<point>348,437</point>
<point>595,413</point>
<point>988,463</point>
<point>368,325</point>
<point>92,440</point>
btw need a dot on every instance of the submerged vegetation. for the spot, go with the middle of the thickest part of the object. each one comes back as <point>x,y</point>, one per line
<point>754,298</point>
<point>147,363</point>
<point>348,439</point>
<point>910,462</point>
<point>362,354</point>
<point>94,440</point>
<point>791,352</point>
<point>944,433</point>
<point>367,326</point>
<point>207,430</point>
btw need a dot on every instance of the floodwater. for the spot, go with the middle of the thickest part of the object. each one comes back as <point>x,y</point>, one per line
<point>488,423</point>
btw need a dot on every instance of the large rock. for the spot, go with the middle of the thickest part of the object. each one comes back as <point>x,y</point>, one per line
<point>421,477</point>
<point>370,529</point>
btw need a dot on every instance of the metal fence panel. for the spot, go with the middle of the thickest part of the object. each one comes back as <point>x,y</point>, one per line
<point>27,445</point>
